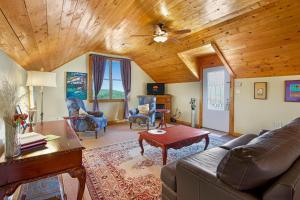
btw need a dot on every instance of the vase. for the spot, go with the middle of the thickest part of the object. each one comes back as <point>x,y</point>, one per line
<point>12,140</point>
<point>193,118</point>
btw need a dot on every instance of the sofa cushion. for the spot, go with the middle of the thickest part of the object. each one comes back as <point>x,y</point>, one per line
<point>168,175</point>
<point>265,157</point>
<point>242,140</point>
<point>204,164</point>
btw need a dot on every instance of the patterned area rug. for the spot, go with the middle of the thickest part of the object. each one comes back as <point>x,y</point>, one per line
<point>45,189</point>
<point>120,172</point>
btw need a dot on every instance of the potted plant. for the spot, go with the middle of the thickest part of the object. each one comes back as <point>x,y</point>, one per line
<point>9,100</point>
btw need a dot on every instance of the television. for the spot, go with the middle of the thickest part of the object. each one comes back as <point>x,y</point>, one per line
<point>155,88</point>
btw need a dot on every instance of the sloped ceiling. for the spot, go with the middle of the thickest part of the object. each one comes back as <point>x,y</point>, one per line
<point>257,37</point>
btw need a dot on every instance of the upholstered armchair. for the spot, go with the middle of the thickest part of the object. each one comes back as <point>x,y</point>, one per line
<point>146,118</point>
<point>90,121</point>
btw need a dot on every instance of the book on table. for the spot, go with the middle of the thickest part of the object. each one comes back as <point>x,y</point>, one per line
<point>32,140</point>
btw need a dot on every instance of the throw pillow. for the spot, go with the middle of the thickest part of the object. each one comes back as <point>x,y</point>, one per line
<point>143,109</point>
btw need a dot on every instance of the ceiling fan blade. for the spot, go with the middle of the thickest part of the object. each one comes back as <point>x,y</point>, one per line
<point>141,36</point>
<point>183,31</point>
<point>150,43</point>
<point>174,40</point>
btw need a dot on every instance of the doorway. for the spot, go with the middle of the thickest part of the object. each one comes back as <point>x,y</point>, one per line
<point>216,98</point>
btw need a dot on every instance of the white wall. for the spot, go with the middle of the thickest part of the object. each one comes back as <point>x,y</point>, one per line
<point>11,70</point>
<point>139,80</point>
<point>181,96</point>
<point>54,98</point>
<point>252,115</point>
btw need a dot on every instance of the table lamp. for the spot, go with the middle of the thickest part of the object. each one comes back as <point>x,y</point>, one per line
<point>39,79</point>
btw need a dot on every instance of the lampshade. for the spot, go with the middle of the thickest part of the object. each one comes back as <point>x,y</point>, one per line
<point>37,78</point>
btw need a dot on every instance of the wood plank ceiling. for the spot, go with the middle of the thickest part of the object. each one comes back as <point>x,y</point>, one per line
<point>257,37</point>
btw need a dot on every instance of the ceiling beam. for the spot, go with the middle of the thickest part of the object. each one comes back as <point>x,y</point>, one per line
<point>223,59</point>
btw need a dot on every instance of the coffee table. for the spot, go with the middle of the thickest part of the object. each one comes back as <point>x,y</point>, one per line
<point>176,137</point>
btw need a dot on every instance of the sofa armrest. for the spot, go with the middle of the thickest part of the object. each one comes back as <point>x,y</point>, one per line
<point>133,111</point>
<point>196,178</point>
<point>194,186</point>
<point>263,131</point>
<point>287,186</point>
<point>242,140</point>
<point>151,112</point>
<point>95,114</point>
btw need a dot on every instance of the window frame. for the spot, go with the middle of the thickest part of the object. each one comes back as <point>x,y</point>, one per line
<point>90,81</point>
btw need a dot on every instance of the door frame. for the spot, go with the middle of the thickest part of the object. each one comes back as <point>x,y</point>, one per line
<point>231,103</point>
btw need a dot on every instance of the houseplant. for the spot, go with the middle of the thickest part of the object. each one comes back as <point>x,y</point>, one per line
<point>9,99</point>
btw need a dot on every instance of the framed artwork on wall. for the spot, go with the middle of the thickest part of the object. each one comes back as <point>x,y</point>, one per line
<point>76,85</point>
<point>292,91</point>
<point>260,90</point>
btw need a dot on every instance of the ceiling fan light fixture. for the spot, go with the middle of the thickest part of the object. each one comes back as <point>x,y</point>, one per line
<point>160,38</point>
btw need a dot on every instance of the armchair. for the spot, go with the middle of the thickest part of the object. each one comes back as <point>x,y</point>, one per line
<point>93,121</point>
<point>149,118</point>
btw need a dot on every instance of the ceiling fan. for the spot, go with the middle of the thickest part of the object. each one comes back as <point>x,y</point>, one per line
<point>161,34</point>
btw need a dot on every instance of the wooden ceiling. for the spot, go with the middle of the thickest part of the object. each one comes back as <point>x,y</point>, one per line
<point>257,37</point>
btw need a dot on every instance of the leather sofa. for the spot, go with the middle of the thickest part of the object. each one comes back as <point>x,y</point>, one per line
<point>213,174</point>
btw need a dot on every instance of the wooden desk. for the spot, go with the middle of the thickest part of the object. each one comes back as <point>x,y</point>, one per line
<point>63,155</point>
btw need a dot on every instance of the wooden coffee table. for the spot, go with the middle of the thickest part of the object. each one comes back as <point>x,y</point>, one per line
<point>176,137</point>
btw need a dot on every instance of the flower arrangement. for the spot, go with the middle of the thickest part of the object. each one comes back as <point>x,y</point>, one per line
<point>20,119</point>
<point>9,100</point>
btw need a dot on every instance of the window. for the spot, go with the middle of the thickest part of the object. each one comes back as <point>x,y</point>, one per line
<point>112,87</point>
<point>215,90</point>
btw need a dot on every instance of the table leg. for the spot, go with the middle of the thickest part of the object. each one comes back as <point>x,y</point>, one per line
<point>206,142</point>
<point>141,145</point>
<point>8,190</point>
<point>163,121</point>
<point>159,125</point>
<point>80,174</point>
<point>164,155</point>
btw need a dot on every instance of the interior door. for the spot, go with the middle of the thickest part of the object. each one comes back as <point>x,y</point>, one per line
<point>216,97</point>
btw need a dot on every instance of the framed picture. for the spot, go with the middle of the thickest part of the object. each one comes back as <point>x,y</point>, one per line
<point>76,85</point>
<point>292,91</point>
<point>260,90</point>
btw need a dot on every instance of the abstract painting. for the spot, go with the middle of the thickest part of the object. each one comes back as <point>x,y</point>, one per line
<point>76,85</point>
<point>292,91</point>
<point>260,90</point>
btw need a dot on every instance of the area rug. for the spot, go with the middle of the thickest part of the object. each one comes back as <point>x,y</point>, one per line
<point>44,189</point>
<point>120,172</point>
